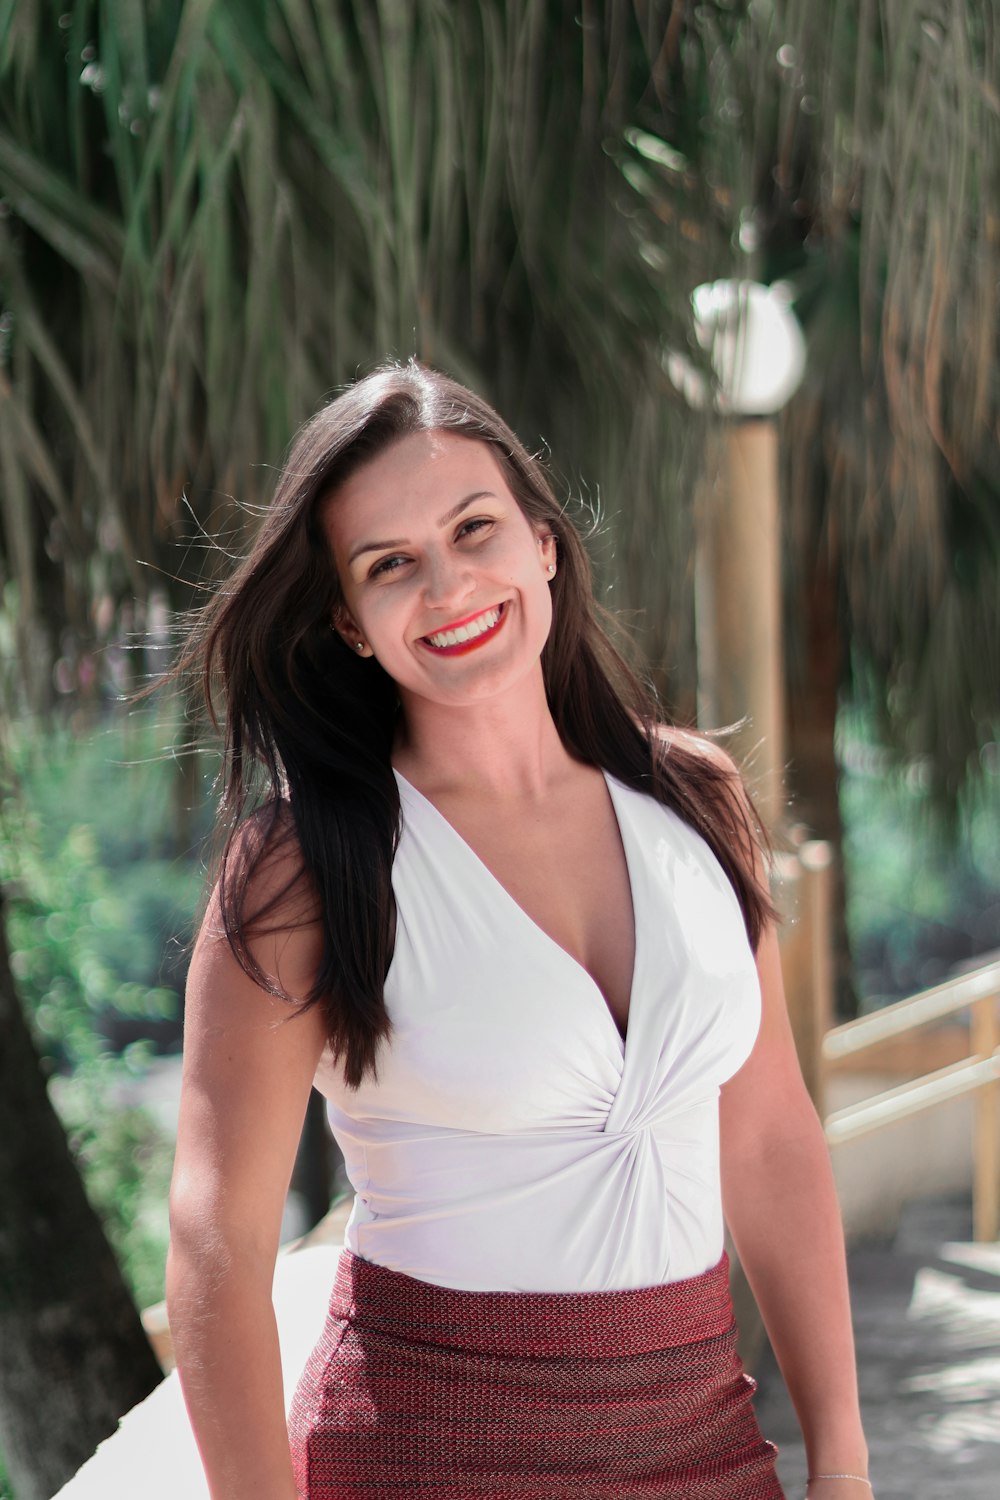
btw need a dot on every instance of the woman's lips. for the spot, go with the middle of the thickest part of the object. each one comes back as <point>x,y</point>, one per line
<point>459,648</point>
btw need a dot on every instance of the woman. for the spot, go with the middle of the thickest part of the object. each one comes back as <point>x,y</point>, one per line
<point>508,925</point>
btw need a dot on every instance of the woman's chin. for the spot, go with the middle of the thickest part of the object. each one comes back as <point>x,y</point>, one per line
<point>474,682</point>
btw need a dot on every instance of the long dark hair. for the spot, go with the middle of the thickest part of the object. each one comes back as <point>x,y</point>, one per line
<point>309,726</point>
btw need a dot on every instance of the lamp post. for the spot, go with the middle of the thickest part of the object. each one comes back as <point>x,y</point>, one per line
<point>758,357</point>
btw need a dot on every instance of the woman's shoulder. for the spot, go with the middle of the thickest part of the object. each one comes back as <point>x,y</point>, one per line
<point>722,785</point>
<point>262,887</point>
<point>700,745</point>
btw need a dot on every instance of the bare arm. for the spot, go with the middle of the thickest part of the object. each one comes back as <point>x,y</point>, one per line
<point>781,1207</point>
<point>248,1069</point>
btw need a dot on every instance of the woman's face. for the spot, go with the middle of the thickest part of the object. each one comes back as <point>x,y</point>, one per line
<point>444,578</point>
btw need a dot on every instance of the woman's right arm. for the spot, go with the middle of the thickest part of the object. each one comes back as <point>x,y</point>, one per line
<point>249,1062</point>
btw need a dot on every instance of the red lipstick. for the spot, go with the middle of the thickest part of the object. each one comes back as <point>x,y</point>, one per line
<point>461,647</point>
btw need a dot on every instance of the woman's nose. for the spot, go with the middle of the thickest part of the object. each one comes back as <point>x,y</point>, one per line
<point>446,580</point>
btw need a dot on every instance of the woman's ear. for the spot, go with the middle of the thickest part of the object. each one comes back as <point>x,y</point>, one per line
<point>350,632</point>
<point>547,546</point>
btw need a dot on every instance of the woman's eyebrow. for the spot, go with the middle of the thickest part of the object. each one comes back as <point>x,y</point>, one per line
<point>445,520</point>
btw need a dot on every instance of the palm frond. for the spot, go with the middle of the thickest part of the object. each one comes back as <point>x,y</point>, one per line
<point>217,212</point>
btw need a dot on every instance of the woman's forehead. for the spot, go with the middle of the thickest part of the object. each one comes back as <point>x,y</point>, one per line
<point>413,479</point>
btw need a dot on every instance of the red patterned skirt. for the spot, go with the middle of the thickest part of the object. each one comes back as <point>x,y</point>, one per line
<point>421,1390</point>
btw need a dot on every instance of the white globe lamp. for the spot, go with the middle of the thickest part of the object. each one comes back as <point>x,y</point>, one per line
<point>755,345</point>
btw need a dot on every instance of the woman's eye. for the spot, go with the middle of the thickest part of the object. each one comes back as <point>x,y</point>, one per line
<point>469,527</point>
<point>397,560</point>
<point>388,565</point>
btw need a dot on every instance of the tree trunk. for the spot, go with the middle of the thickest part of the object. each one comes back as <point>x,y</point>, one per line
<point>812,723</point>
<point>73,1354</point>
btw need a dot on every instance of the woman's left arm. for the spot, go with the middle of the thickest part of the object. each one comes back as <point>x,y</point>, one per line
<point>781,1206</point>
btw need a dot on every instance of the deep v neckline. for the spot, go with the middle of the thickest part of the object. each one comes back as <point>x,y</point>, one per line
<point>546,938</point>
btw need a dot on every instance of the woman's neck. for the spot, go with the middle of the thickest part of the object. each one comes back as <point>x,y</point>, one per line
<point>505,747</point>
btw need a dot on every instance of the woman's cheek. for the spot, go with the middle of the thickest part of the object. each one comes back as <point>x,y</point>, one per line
<point>389,614</point>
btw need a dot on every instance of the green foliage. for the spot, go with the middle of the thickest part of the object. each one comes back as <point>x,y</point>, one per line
<point>92,900</point>
<point>69,936</point>
<point>125,1159</point>
<point>95,898</point>
<point>923,893</point>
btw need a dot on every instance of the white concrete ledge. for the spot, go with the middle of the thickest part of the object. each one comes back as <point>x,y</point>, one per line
<point>153,1453</point>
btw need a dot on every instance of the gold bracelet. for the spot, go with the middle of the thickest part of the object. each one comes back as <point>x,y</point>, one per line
<point>859,1477</point>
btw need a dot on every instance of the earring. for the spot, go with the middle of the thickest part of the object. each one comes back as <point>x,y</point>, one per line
<point>552,568</point>
<point>361,645</point>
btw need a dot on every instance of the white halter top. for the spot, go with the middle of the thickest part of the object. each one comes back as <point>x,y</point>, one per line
<point>513,1141</point>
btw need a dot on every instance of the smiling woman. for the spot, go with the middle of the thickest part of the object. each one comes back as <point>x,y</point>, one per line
<point>518,932</point>
<point>456,583</point>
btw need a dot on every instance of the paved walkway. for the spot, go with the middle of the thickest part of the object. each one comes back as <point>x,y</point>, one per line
<point>927,1329</point>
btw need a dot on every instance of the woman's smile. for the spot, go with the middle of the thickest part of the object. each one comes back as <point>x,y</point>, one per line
<point>465,635</point>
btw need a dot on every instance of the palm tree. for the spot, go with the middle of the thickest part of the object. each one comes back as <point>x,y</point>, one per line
<point>881,208</point>
<point>214,212</point>
<point>854,151</point>
<point>217,212</point>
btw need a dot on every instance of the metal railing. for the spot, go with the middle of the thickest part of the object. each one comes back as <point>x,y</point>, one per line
<point>978,1074</point>
<point>804,891</point>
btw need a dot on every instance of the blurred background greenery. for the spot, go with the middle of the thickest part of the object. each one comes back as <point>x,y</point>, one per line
<point>213,212</point>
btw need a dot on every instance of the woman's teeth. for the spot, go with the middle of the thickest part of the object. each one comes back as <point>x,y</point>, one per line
<point>467,632</point>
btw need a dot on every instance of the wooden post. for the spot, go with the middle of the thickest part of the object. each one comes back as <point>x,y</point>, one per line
<point>985,1036</point>
<point>789,898</point>
<point>738,608</point>
<point>804,894</point>
<point>816,859</point>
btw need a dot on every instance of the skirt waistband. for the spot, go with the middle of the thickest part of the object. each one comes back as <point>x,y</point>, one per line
<point>636,1320</point>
